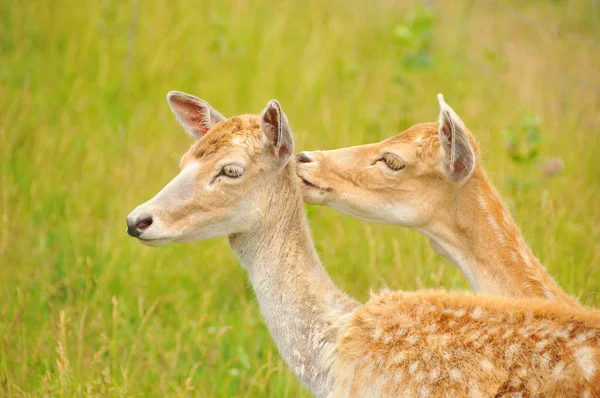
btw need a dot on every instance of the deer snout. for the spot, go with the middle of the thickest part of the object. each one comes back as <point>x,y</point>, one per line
<point>137,224</point>
<point>305,157</point>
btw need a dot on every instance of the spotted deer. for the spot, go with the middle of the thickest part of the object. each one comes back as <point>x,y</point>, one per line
<point>428,178</point>
<point>238,180</point>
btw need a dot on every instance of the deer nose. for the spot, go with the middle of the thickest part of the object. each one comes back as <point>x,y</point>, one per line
<point>136,226</point>
<point>304,157</point>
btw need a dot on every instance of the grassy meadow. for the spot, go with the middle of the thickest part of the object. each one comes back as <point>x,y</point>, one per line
<point>86,135</point>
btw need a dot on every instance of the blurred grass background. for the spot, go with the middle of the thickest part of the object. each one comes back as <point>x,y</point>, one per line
<point>86,135</point>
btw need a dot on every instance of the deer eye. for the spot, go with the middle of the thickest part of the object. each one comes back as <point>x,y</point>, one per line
<point>392,162</point>
<point>232,170</point>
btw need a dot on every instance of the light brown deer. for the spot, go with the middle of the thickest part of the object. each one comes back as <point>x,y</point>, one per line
<point>239,180</point>
<point>428,179</point>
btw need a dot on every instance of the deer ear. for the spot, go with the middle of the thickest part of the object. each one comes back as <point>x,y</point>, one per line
<point>276,128</point>
<point>458,155</point>
<point>196,116</point>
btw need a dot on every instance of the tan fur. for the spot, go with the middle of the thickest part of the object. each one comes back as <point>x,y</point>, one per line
<point>439,344</point>
<point>432,344</point>
<point>466,222</point>
<point>245,127</point>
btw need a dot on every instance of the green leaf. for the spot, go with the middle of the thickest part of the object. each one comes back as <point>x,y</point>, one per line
<point>403,34</point>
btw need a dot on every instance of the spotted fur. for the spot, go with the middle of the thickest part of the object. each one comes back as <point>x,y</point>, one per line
<point>440,344</point>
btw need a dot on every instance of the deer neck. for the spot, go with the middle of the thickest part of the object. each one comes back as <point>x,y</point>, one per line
<point>303,310</point>
<point>481,238</point>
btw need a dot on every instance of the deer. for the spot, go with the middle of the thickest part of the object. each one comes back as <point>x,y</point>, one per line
<point>428,178</point>
<point>239,181</point>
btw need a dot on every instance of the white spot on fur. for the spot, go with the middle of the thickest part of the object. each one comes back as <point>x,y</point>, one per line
<point>486,365</point>
<point>475,335</point>
<point>545,360</point>
<point>454,374</point>
<point>584,357</point>
<point>420,376</point>
<point>477,313</point>
<point>561,334</point>
<point>399,357</point>
<point>569,327</point>
<point>427,356</point>
<point>378,333</point>
<point>557,372</point>
<point>413,367</point>
<point>238,141</point>
<point>496,318</point>
<point>543,329</point>
<point>512,350</point>
<point>524,332</point>
<point>540,345</point>
<point>460,312</point>
<point>580,338</point>
<point>444,338</point>
<point>474,391</point>
<point>387,337</point>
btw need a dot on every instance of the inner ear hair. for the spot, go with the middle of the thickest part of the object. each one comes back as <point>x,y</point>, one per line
<point>458,155</point>
<point>275,125</point>
<point>195,115</point>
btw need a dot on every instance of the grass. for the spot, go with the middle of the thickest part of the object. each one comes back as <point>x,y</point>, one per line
<point>86,135</point>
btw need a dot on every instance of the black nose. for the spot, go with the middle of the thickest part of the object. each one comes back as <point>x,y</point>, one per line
<point>303,157</point>
<point>137,226</point>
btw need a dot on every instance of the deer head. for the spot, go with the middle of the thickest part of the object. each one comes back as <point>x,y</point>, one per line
<point>401,180</point>
<point>226,178</point>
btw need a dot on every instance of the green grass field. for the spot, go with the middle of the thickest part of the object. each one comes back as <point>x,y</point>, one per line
<point>86,135</point>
